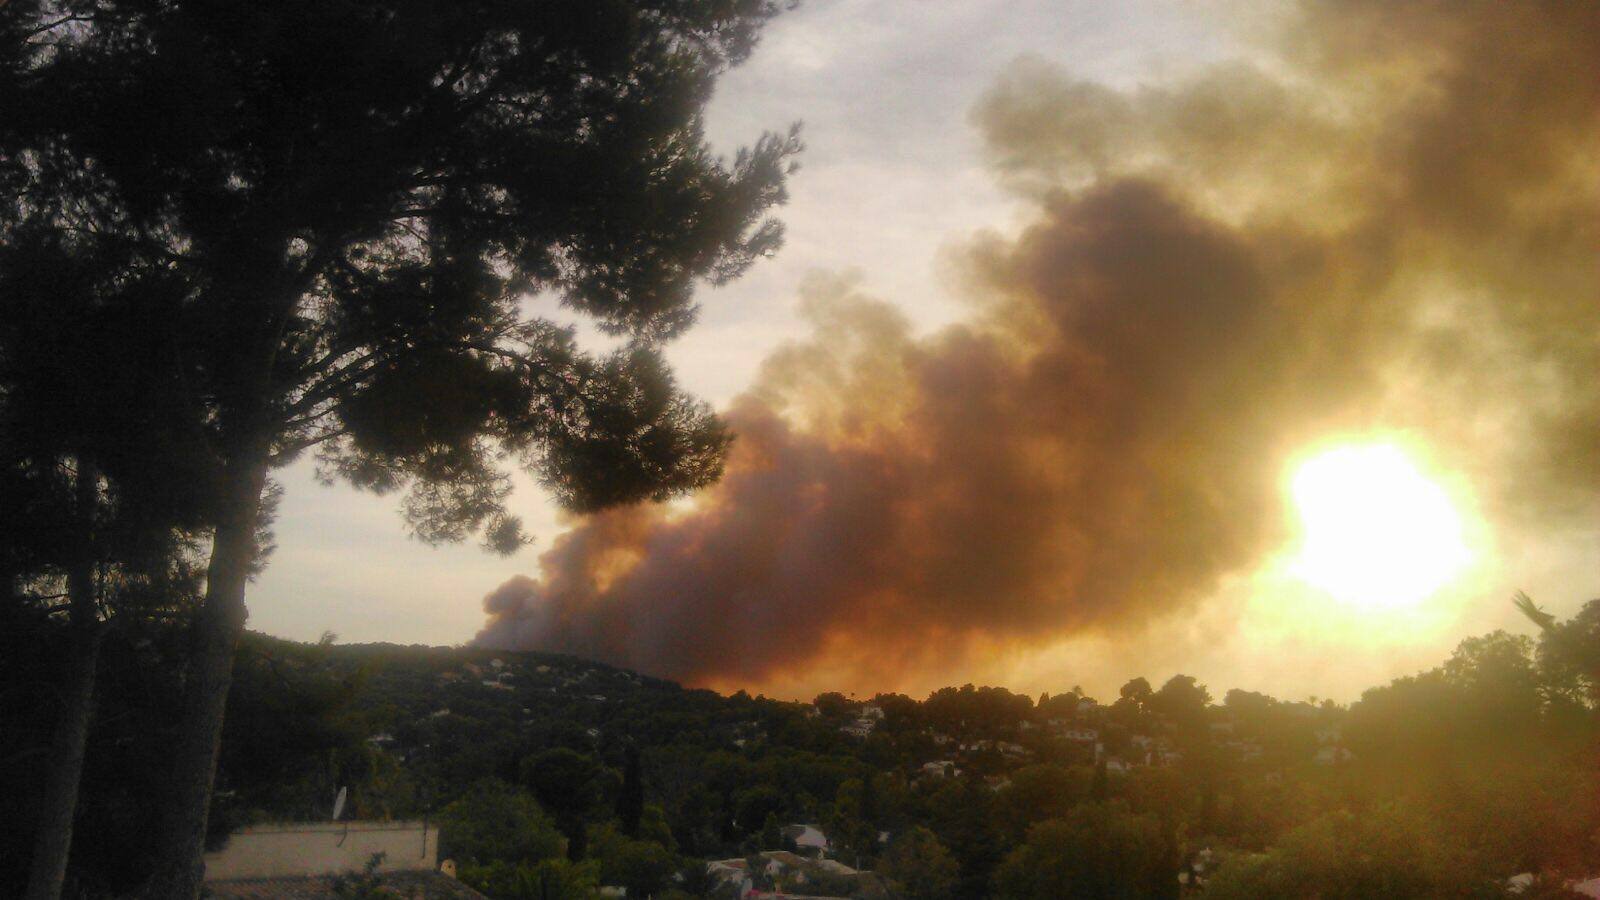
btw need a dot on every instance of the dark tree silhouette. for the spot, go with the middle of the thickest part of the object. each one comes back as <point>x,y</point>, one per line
<point>107,520</point>
<point>569,785</point>
<point>630,802</point>
<point>346,211</point>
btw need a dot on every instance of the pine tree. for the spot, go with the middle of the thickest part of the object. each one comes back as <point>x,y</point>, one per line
<point>630,803</point>
<point>328,217</point>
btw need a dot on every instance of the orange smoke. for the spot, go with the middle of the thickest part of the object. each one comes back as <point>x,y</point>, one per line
<point>1397,227</point>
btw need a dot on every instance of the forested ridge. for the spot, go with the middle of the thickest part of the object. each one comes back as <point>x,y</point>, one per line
<point>552,775</point>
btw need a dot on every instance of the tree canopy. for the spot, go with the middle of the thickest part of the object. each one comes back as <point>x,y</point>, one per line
<point>332,227</point>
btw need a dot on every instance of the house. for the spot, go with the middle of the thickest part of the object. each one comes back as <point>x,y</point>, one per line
<point>1329,735</point>
<point>725,868</point>
<point>1082,735</point>
<point>1142,741</point>
<point>734,872</point>
<point>781,861</point>
<point>497,664</point>
<point>1331,755</point>
<point>1117,765</point>
<point>940,768</point>
<point>872,711</point>
<point>834,867</point>
<point>1086,705</point>
<point>791,873</point>
<point>1520,884</point>
<point>859,728</point>
<point>808,839</point>
<point>1248,751</point>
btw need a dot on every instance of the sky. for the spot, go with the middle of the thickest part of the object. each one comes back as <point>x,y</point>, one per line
<point>1108,340</point>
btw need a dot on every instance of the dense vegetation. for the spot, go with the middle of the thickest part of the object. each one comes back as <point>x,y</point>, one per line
<point>553,775</point>
<point>234,234</point>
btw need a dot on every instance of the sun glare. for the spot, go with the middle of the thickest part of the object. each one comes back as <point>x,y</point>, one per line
<point>1376,533</point>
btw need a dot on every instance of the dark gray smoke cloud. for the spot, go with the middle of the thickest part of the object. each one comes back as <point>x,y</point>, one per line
<point>1396,228</point>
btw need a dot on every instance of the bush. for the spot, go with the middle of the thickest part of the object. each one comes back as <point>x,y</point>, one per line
<point>496,822</point>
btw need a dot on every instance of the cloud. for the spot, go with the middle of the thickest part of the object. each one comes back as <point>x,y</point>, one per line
<point>1387,219</point>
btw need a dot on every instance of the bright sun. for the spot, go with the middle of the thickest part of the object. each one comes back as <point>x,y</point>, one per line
<point>1376,533</point>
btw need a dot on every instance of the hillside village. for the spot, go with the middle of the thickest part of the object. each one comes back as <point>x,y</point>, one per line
<point>841,796</point>
<point>1123,735</point>
<point>545,775</point>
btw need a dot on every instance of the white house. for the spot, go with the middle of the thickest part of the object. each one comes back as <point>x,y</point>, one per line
<point>1327,756</point>
<point>859,728</point>
<point>807,838</point>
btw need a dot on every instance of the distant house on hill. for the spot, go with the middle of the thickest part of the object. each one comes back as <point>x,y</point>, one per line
<point>808,839</point>
<point>734,873</point>
<point>860,727</point>
<point>1331,755</point>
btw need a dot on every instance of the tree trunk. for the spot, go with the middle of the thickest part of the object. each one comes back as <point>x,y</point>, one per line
<point>54,838</point>
<point>180,867</point>
<point>53,842</point>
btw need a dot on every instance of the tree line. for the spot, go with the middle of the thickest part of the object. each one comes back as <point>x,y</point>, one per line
<point>567,775</point>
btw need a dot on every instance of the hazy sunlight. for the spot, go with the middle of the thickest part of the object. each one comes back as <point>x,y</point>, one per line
<point>1376,532</point>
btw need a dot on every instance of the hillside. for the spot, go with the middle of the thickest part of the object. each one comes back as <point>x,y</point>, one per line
<point>958,787</point>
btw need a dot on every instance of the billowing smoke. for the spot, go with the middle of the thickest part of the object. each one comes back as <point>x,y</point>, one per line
<point>1387,218</point>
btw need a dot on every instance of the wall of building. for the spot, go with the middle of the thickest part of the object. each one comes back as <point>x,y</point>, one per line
<point>322,848</point>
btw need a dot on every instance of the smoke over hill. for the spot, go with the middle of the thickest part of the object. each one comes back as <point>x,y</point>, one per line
<point>1386,218</point>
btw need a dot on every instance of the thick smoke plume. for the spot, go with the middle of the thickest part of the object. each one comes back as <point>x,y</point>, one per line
<point>1387,218</point>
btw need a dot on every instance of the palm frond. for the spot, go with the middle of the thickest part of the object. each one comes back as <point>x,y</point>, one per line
<point>1525,604</point>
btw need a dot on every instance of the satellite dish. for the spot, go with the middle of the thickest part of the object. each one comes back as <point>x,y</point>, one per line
<point>338,804</point>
